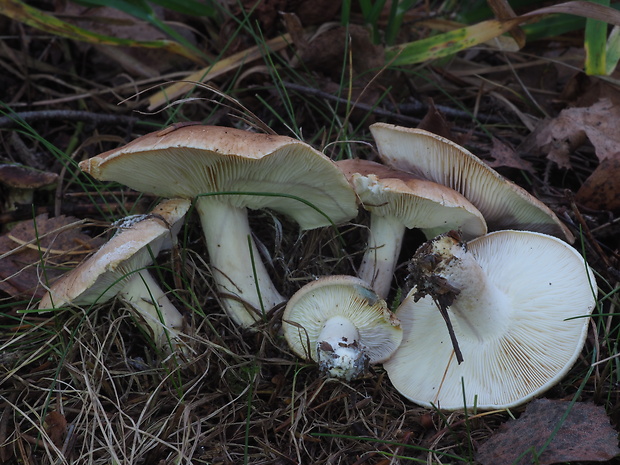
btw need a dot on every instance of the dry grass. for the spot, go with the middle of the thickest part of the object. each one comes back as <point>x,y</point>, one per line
<point>237,397</point>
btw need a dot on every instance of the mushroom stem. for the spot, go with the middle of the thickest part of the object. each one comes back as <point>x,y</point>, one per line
<point>340,354</point>
<point>476,306</point>
<point>144,294</point>
<point>380,259</point>
<point>233,272</point>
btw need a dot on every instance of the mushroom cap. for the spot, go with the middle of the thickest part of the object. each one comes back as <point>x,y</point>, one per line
<point>25,177</point>
<point>503,204</point>
<point>192,160</point>
<point>546,283</point>
<point>315,303</point>
<point>101,276</point>
<point>417,203</point>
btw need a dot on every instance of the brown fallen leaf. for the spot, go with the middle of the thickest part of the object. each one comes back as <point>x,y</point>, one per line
<point>585,435</point>
<point>560,136</point>
<point>503,155</point>
<point>434,121</point>
<point>113,22</point>
<point>56,427</point>
<point>601,191</point>
<point>316,11</point>
<point>324,51</point>
<point>58,243</point>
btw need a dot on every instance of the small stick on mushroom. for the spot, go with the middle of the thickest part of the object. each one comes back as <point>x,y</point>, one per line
<point>424,272</point>
<point>397,200</point>
<point>519,303</point>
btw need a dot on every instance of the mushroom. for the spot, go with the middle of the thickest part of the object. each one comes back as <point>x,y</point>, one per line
<point>519,302</point>
<point>341,323</point>
<point>503,204</point>
<point>228,171</point>
<point>396,201</point>
<point>21,182</point>
<point>120,267</point>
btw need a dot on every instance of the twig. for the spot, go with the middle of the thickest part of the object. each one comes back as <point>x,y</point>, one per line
<point>14,119</point>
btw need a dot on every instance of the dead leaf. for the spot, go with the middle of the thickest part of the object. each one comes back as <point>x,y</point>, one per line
<point>585,435</point>
<point>435,122</point>
<point>560,136</point>
<point>601,191</point>
<point>265,13</point>
<point>316,11</point>
<point>56,427</point>
<point>325,51</point>
<point>113,22</point>
<point>58,240</point>
<point>503,155</point>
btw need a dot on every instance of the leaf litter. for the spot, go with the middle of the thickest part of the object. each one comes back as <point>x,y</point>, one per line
<point>553,431</point>
<point>243,397</point>
<point>35,253</point>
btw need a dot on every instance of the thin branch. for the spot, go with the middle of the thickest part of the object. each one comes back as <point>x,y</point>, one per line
<point>13,119</point>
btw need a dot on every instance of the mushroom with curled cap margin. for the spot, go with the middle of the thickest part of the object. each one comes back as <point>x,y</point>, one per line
<point>341,323</point>
<point>396,201</point>
<point>503,204</point>
<point>236,170</point>
<point>520,304</point>
<point>120,267</point>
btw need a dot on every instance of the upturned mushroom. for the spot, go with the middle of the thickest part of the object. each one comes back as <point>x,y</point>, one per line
<point>396,201</point>
<point>519,303</point>
<point>503,204</point>
<point>229,171</point>
<point>120,267</point>
<point>342,324</point>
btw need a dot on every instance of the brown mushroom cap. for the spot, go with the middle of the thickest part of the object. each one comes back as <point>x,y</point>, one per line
<point>503,204</point>
<point>415,202</point>
<point>101,276</point>
<point>24,177</point>
<point>194,160</point>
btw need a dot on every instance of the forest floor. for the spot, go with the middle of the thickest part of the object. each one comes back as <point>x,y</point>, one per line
<point>86,385</point>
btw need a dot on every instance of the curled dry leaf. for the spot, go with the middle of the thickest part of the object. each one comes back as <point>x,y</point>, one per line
<point>58,243</point>
<point>503,155</point>
<point>324,51</point>
<point>601,191</point>
<point>56,427</point>
<point>558,137</point>
<point>584,435</point>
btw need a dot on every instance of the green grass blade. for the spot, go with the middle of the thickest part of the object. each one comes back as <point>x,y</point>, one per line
<point>613,51</point>
<point>23,13</point>
<point>141,9</point>
<point>445,44</point>
<point>595,44</point>
<point>451,42</point>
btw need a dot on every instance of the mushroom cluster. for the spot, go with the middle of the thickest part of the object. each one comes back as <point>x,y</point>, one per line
<point>492,318</point>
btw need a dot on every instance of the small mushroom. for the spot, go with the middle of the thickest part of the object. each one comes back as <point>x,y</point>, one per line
<point>341,323</point>
<point>120,267</point>
<point>396,201</point>
<point>503,204</point>
<point>21,181</point>
<point>228,171</point>
<point>519,303</point>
